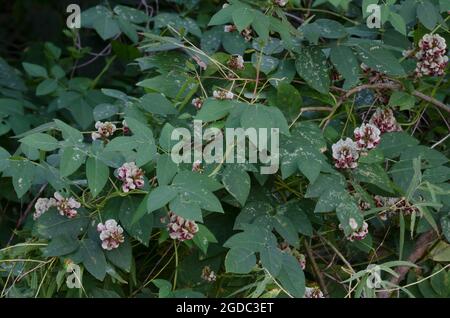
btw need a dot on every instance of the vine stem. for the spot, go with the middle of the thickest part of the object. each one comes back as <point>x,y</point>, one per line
<point>176,264</point>
<point>316,268</point>
<point>423,242</point>
<point>390,86</point>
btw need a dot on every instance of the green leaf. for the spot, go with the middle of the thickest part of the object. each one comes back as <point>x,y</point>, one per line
<point>23,173</point>
<point>403,100</point>
<point>261,116</point>
<point>159,197</point>
<point>165,169</point>
<point>157,104</point>
<point>380,59</point>
<point>271,258</point>
<point>104,111</point>
<point>394,143</point>
<point>374,174</point>
<point>121,256</point>
<point>185,206</point>
<point>130,14</point>
<point>237,182</point>
<point>311,65</point>
<point>61,245</point>
<point>97,174</point>
<point>35,70</point>
<point>242,17</point>
<point>222,16</point>
<point>146,150</point>
<point>132,216</point>
<point>51,224</point>
<point>40,141</point>
<point>240,260</point>
<point>46,87</point>
<point>93,258</point>
<point>397,22</point>
<point>346,64</point>
<point>291,276</point>
<point>330,29</point>
<point>71,159</point>
<point>203,237</point>
<point>106,26</point>
<point>122,144</point>
<point>445,225</point>
<point>214,109</point>
<point>4,156</point>
<point>427,14</point>
<point>69,133</point>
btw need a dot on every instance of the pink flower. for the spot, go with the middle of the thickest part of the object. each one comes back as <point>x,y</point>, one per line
<point>367,136</point>
<point>42,205</point>
<point>313,292</point>
<point>111,234</point>
<point>104,130</point>
<point>280,3</point>
<point>229,28</point>
<point>125,127</point>
<point>345,154</point>
<point>432,58</point>
<point>199,62</point>
<point>247,34</point>
<point>197,166</point>
<point>131,176</point>
<point>197,102</point>
<point>66,206</point>
<point>357,235</point>
<point>223,94</point>
<point>208,274</point>
<point>180,228</point>
<point>385,121</point>
<point>236,62</point>
<point>393,206</point>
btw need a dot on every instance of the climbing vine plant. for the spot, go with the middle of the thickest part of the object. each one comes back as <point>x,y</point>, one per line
<point>93,204</point>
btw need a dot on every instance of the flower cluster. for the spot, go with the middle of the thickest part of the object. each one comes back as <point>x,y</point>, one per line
<point>431,56</point>
<point>393,206</point>
<point>384,120</point>
<point>111,234</point>
<point>367,136</point>
<point>357,234</point>
<point>345,154</point>
<point>236,62</point>
<point>208,274</point>
<point>181,229</point>
<point>131,175</point>
<point>280,3</point>
<point>42,205</point>
<point>104,130</point>
<point>197,102</point>
<point>313,292</point>
<point>223,94</point>
<point>346,151</point>
<point>66,206</point>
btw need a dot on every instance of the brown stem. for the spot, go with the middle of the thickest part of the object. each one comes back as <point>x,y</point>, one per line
<point>316,269</point>
<point>390,86</point>
<point>24,215</point>
<point>422,244</point>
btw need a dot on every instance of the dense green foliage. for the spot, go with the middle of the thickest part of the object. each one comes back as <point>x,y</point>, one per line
<point>78,104</point>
